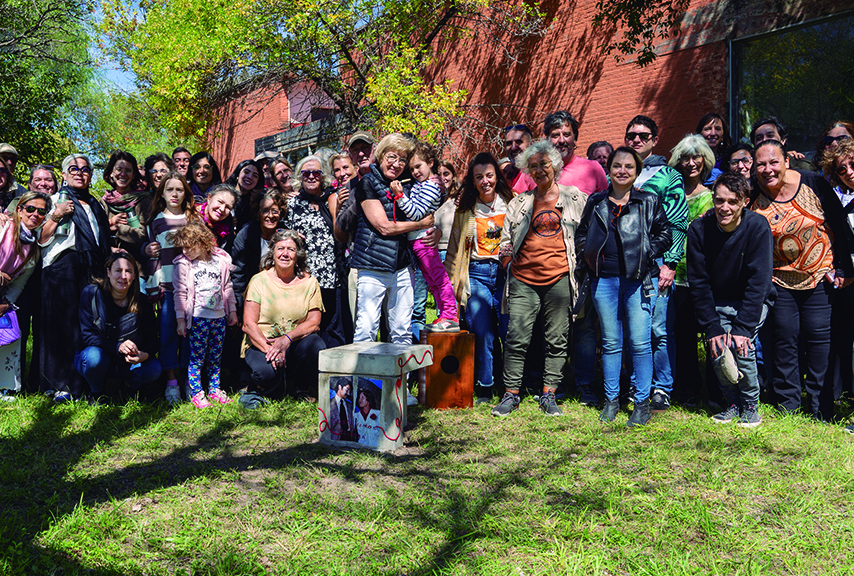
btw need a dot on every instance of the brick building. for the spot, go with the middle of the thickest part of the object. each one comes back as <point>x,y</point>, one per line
<point>731,57</point>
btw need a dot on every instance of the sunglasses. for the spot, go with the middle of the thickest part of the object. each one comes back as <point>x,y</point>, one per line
<point>315,174</point>
<point>31,209</point>
<point>843,169</point>
<point>828,140</point>
<point>644,136</point>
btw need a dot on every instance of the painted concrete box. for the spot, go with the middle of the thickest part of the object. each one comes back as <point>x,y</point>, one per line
<point>361,396</point>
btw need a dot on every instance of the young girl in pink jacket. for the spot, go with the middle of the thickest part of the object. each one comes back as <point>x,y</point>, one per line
<point>204,302</point>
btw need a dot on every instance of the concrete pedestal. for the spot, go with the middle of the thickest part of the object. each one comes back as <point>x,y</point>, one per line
<point>361,395</point>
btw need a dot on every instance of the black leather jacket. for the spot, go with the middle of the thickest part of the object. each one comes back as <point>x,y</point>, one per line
<point>644,233</point>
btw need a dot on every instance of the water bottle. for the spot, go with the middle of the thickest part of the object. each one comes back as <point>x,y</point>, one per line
<point>63,229</point>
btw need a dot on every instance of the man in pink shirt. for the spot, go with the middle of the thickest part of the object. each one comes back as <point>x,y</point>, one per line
<point>516,139</point>
<point>587,175</point>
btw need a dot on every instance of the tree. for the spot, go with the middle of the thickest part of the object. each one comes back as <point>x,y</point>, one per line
<point>365,56</point>
<point>640,23</point>
<point>43,59</point>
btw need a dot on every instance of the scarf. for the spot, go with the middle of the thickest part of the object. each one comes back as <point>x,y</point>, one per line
<point>220,229</point>
<point>123,202</point>
<point>92,251</point>
<point>322,202</point>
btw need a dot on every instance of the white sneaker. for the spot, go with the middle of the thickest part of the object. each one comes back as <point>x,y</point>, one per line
<point>173,395</point>
<point>410,399</point>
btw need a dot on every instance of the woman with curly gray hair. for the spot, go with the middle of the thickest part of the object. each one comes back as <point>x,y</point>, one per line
<point>538,250</point>
<point>281,318</point>
<point>312,213</point>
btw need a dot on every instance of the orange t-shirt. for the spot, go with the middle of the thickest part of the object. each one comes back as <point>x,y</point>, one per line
<point>541,260</point>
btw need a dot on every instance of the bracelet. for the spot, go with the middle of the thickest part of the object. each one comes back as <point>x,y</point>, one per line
<point>55,218</point>
<point>289,339</point>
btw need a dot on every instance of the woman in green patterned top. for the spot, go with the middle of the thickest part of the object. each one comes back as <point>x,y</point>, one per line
<point>281,320</point>
<point>693,159</point>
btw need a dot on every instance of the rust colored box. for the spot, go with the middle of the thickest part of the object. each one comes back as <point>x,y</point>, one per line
<point>449,382</point>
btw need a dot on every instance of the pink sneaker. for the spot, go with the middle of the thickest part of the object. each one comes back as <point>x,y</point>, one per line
<point>199,400</point>
<point>219,396</point>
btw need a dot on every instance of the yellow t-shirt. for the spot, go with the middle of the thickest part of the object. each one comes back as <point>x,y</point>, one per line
<point>283,307</point>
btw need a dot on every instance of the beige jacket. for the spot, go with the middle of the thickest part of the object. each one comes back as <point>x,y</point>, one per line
<point>459,254</point>
<point>571,203</point>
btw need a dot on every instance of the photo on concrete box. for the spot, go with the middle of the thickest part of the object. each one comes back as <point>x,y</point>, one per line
<point>341,425</point>
<point>366,416</point>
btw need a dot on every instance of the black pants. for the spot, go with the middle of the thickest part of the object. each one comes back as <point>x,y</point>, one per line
<point>687,381</point>
<point>60,340</point>
<point>30,307</point>
<point>840,371</point>
<point>804,315</point>
<point>300,373</point>
<point>336,322</point>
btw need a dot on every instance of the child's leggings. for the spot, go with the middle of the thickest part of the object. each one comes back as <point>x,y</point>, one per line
<point>436,278</point>
<point>206,337</point>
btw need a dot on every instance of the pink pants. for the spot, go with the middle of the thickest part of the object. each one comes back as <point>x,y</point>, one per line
<point>437,279</point>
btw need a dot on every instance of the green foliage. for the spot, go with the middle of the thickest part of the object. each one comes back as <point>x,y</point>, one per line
<point>638,24</point>
<point>192,55</point>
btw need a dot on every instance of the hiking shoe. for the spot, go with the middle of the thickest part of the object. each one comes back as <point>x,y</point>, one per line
<point>587,397</point>
<point>219,396</point>
<point>482,394</point>
<point>508,404</point>
<point>62,397</point>
<point>549,406</point>
<point>443,325</point>
<point>727,415</point>
<point>609,412</point>
<point>750,417</point>
<point>251,401</point>
<point>173,395</point>
<point>659,401</point>
<point>199,400</point>
<point>640,415</point>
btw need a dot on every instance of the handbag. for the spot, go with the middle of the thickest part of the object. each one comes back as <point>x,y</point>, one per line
<point>10,331</point>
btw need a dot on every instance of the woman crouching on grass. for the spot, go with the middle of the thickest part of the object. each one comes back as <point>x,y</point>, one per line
<point>118,329</point>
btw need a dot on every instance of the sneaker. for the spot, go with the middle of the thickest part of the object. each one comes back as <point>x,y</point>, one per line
<point>587,396</point>
<point>750,417</point>
<point>199,400</point>
<point>7,395</point>
<point>549,406</point>
<point>443,325</point>
<point>659,401</point>
<point>410,399</point>
<point>173,395</point>
<point>508,404</point>
<point>62,397</point>
<point>850,429</point>
<point>640,414</point>
<point>609,412</point>
<point>482,394</point>
<point>219,396</point>
<point>727,415</point>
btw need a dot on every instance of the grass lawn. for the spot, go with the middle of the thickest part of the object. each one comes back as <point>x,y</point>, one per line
<point>142,489</point>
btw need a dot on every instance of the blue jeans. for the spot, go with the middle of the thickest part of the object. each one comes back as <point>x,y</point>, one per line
<point>419,309</point>
<point>483,314</point>
<point>663,344</point>
<point>616,298</point>
<point>94,365</point>
<point>169,339</point>
<point>745,392</point>
<point>583,360</point>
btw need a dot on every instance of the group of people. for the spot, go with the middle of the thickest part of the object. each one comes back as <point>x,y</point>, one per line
<point>543,255</point>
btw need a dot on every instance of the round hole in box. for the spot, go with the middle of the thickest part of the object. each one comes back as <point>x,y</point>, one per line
<point>450,364</point>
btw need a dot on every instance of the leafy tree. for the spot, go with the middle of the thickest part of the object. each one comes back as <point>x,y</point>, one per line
<point>635,25</point>
<point>365,56</point>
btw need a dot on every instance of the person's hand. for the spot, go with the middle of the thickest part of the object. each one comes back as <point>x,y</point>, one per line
<point>396,189</point>
<point>5,218</point>
<point>128,348</point>
<point>153,250</point>
<point>432,237</point>
<point>277,351</point>
<point>665,277</point>
<point>718,343</point>
<point>426,222</point>
<point>4,279</point>
<point>4,308</point>
<point>232,318</point>
<point>117,220</point>
<point>743,344</point>
<point>182,327</point>
<point>63,209</point>
<point>343,194</point>
<point>796,155</point>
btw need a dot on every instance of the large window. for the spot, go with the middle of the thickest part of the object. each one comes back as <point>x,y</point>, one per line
<point>803,76</point>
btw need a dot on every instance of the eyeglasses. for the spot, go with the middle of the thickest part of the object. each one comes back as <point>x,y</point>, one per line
<point>313,174</point>
<point>828,140</point>
<point>80,169</point>
<point>747,161</point>
<point>541,166</point>
<point>843,169</point>
<point>395,159</point>
<point>689,158</point>
<point>644,136</point>
<point>31,209</point>
<point>160,171</point>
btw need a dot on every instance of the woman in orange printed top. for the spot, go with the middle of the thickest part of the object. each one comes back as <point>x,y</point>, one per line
<point>472,260</point>
<point>811,259</point>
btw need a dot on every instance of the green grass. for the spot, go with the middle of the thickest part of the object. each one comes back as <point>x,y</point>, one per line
<point>141,489</point>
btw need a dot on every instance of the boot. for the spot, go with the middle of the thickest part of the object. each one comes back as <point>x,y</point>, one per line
<point>609,411</point>
<point>640,415</point>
